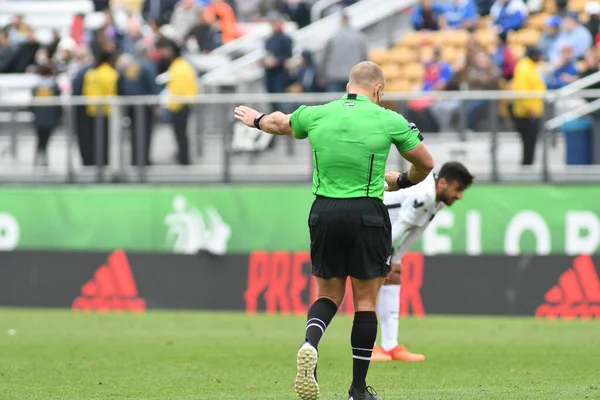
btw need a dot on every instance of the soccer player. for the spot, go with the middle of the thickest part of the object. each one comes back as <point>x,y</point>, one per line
<point>350,229</point>
<point>411,210</point>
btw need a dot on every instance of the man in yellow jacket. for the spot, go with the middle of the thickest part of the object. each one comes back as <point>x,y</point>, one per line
<point>527,113</point>
<point>182,81</point>
<point>101,81</point>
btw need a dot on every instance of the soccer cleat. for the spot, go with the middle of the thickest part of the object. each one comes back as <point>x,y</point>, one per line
<point>306,385</point>
<point>368,394</point>
<point>380,355</point>
<point>401,353</point>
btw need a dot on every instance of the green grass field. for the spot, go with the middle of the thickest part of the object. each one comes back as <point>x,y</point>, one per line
<point>177,355</point>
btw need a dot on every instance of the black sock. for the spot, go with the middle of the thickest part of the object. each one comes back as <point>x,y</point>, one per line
<point>319,316</point>
<point>364,333</point>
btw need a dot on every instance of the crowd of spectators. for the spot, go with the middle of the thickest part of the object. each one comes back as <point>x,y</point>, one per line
<point>139,53</point>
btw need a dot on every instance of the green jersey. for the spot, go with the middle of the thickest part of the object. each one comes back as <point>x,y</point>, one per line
<point>351,140</point>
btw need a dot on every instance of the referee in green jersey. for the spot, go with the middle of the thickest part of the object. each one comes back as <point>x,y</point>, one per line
<point>350,232</point>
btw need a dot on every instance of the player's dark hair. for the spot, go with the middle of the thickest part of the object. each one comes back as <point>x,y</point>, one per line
<point>455,171</point>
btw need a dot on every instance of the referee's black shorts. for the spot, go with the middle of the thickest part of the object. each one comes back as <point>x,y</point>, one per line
<point>350,237</point>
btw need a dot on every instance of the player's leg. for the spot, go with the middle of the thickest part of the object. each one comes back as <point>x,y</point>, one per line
<point>364,333</point>
<point>328,266</point>
<point>368,265</point>
<point>388,308</point>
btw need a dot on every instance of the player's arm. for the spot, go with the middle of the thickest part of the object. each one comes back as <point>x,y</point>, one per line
<point>276,123</point>
<point>409,142</point>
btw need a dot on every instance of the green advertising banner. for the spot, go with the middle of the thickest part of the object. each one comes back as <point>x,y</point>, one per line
<point>492,219</point>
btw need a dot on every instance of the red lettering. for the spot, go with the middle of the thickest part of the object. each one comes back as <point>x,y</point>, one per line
<point>412,280</point>
<point>279,278</point>
<point>298,282</point>
<point>258,278</point>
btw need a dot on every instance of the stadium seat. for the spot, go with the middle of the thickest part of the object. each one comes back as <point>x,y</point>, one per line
<point>425,54</point>
<point>526,37</point>
<point>485,37</point>
<point>450,54</point>
<point>484,22</point>
<point>518,50</point>
<point>379,56</point>
<point>403,55</point>
<point>457,38</point>
<point>412,39</point>
<point>398,85</point>
<point>391,71</point>
<point>537,21</point>
<point>414,72</point>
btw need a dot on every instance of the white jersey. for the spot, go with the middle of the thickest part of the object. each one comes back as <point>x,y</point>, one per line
<point>411,210</point>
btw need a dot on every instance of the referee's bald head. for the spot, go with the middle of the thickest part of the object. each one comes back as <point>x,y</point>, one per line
<point>367,75</point>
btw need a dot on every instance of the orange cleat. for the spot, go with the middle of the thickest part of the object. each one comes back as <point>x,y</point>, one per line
<point>401,353</point>
<point>380,355</point>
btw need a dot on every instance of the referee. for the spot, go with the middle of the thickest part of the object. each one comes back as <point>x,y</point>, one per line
<point>350,232</point>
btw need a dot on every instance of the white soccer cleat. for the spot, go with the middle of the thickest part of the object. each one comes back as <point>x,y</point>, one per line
<point>306,385</point>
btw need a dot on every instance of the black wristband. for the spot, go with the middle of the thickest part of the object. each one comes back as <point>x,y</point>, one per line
<point>403,181</point>
<point>257,120</point>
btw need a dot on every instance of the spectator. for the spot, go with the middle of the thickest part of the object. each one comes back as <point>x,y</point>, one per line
<point>184,18</point>
<point>344,50</point>
<point>78,29</point>
<point>592,8</point>
<point>297,11</point>
<point>45,118</point>
<point>482,75</point>
<point>504,58</point>
<point>226,20</point>
<point>573,34</point>
<point>438,76</point>
<point>133,36</point>
<point>508,15</point>
<point>182,81</point>
<point>160,11</point>
<point>459,14</point>
<point>17,30</point>
<point>279,50</point>
<point>527,113</point>
<point>138,76</point>
<point>206,35</point>
<point>247,10</point>
<point>25,53</point>
<point>484,7</point>
<point>7,53</point>
<point>426,16</point>
<point>564,71</point>
<point>551,32</point>
<point>99,81</point>
<point>306,75</point>
<point>591,67</point>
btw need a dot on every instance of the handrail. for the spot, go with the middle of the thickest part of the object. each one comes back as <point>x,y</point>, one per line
<point>582,111</point>
<point>578,85</point>
<point>313,37</point>
<point>319,7</point>
<point>264,98</point>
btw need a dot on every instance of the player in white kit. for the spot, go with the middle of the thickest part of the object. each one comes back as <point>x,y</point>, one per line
<point>411,210</point>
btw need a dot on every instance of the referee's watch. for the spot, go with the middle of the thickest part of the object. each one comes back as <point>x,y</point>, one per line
<point>403,181</point>
<point>257,120</point>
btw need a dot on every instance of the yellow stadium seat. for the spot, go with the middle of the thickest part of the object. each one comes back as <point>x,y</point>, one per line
<point>425,54</point>
<point>577,5</point>
<point>528,37</point>
<point>484,22</point>
<point>455,38</point>
<point>391,71</point>
<point>414,72</point>
<point>450,54</point>
<point>398,85</point>
<point>485,37</point>
<point>379,56</point>
<point>403,55</point>
<point>550,6</point>
<point>411,39</point>
<point>518,50</point>
<point>537,21</point>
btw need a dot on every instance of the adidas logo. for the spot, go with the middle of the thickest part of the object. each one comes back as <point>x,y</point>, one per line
<point>576,295</point>
<point>112,288</point>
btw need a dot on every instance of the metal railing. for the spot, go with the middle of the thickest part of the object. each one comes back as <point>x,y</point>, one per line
<point>222,150</point>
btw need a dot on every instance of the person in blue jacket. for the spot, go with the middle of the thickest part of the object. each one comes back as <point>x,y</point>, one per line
<point>565,71</point>
<point>509,15</point>
<point>426,16</point>
<point>460,14</point>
